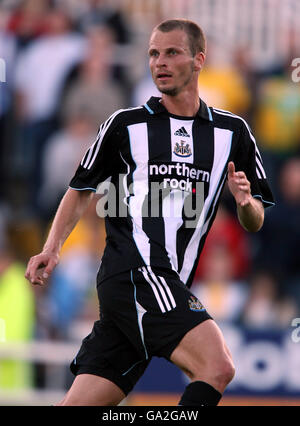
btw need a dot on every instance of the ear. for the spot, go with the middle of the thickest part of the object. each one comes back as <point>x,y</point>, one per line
<point>199,61</point>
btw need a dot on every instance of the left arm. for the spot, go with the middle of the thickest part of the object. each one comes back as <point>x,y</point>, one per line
<point>250,210</point>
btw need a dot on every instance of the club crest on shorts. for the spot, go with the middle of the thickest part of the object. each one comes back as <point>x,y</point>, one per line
<point>195,304</point>
<point>182,149</point>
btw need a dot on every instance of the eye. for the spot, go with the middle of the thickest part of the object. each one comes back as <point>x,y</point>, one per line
<point>153,53</point>
<point>172,52</point>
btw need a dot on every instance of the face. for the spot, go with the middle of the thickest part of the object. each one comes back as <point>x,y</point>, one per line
<point>172,65</point>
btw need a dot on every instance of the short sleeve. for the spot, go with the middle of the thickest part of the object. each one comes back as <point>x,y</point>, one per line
<point>249,160</point>
<point>99,161</point>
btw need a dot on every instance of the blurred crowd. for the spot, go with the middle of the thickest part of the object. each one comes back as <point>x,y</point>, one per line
<point>67,69</point>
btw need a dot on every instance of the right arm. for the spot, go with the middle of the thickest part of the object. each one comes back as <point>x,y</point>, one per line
<point>96,166</point>
<point>70,210</point>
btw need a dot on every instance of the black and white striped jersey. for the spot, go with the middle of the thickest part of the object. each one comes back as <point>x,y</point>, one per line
<point>186,158</point>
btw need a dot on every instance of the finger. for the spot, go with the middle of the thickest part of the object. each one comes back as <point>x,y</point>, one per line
<point>32,274</point>
<point>38,281</point>
<point>49,268</point>
<point>244,188</point>
<point>28,269</point>
<point>231,169</point>
<point>35,278</point>
<point>241,177</point>
<point>242,182</point>
<point>244,203</point>
<point>33,268</point>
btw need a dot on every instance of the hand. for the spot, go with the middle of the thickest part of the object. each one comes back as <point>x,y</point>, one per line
<point>239,186</point>
<point>40,267</point>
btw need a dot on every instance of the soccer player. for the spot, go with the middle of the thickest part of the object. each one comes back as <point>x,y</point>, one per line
<point>143,284</point>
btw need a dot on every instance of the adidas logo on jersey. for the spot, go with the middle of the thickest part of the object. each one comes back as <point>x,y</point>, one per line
<point>182,132</point>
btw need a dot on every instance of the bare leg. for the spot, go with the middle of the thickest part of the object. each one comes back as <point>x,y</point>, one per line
<point>203,355</point>
<point>88,389</point>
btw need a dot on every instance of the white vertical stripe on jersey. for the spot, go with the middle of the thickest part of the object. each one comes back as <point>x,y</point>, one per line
<point>172,206</point>
<point>222,148</point>
<point>126,191</point>
<point>138,137</point>
<point>175,126</point>
<point>173,203</point>
<point>140,313</point>
<point>167,290</point>
<point>153,286</point>
<point>162,289</point>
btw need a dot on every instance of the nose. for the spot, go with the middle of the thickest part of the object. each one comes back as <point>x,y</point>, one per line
<point>161,61</point>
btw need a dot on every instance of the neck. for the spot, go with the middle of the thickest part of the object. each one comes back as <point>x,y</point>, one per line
<point>183,104</point>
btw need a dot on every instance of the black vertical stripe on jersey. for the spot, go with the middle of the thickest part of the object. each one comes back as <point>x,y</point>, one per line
<point>190,279</point>
<point>126,154</point>
<point>221,182</point>
<point>203,138</point>
<point>158,129</point>
<point>211,214</point>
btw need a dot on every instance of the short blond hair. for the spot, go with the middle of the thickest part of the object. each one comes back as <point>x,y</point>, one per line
<point>197,41</point>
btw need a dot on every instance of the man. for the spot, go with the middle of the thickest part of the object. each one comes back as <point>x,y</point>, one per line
<point>146,307</point>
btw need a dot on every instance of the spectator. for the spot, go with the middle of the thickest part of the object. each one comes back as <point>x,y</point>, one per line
<point>89,101</point>
<point>28,21</point>
<point>144,89</point>
<point>40,75</point>
<point>221,84</point>
<point>276,121</point>
<point>93,90</point>
<point>221,295</point>
<point>227,232</point>
<point>7,61</point>
<point>266,307</point>
<point>102,13</point>
<point>62,154</point>
<point>280,236</point>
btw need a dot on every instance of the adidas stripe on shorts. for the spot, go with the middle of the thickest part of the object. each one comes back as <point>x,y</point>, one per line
<point>144,312</point>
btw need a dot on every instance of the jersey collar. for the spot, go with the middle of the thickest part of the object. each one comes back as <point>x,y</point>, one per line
<point>154,106</point>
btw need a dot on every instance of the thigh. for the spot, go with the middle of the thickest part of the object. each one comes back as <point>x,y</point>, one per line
<point>202,349</point>
<point>91,390</point>
<point>169,309</point>
<point>107,353</point>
